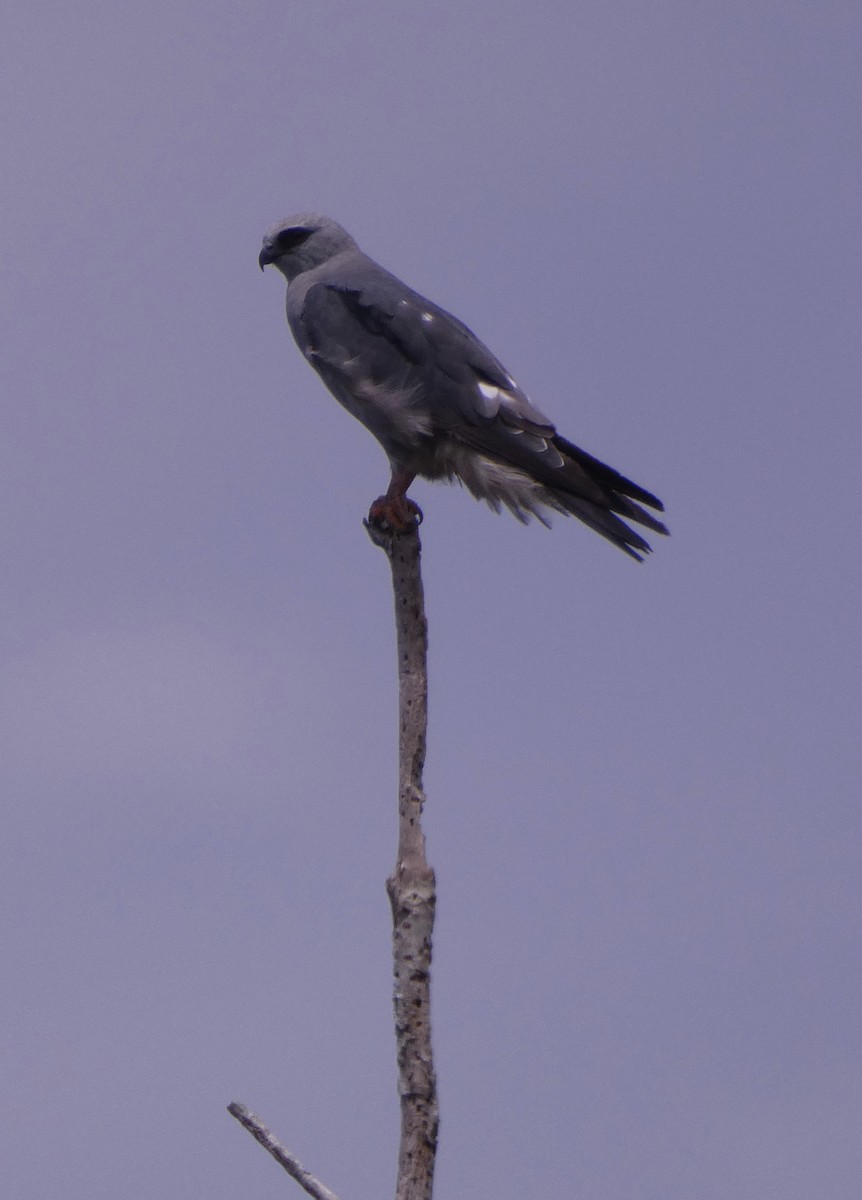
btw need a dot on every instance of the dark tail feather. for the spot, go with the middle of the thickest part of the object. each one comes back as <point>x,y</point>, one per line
<point>619,496</point>
<point>607,477</point>
<point>604,521</point>
<point>634,512</point>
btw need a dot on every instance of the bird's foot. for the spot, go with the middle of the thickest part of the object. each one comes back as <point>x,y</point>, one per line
<point>398,513</point>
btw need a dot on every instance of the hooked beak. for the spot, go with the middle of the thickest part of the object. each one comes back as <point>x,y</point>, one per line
<point>265,258</point>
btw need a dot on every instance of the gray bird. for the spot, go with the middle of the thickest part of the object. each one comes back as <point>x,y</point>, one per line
<point>433,395</point>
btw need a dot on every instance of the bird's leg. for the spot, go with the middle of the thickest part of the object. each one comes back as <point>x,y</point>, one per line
<point>395,509</point>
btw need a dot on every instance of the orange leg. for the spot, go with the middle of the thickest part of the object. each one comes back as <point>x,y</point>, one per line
<point>395,509</point>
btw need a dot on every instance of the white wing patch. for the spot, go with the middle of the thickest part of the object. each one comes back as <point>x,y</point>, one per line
<point>427,318</point>
<point>492,398</point>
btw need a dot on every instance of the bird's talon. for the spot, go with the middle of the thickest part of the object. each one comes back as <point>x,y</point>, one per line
<point>397,513</point>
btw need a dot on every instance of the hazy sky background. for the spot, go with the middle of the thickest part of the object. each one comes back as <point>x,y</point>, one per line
<point>643,780</point>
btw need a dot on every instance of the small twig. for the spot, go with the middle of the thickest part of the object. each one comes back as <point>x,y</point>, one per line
<point>280,1153</point>
<point>411,886</point>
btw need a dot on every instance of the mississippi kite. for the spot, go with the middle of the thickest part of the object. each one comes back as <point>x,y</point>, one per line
<point>433,395</point>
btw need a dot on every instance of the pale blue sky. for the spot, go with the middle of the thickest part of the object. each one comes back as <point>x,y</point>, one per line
<point>643,781</point>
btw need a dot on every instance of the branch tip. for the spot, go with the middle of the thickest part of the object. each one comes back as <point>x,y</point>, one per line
<point>280,1153</point>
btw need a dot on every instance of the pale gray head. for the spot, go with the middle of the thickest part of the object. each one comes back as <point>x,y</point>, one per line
<point>303,241</point>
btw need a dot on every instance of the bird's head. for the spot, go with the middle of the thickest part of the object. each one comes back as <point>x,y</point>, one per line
<point>302,242</point>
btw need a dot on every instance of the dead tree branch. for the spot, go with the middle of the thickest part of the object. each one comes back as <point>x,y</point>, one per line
<point>280,1153</point>
<point>411,886</point>
<point>412,894</point>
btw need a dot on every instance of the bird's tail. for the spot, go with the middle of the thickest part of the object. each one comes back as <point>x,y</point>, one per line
<point>618,497</point>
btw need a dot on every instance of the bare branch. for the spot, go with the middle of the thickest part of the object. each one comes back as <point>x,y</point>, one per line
<point>412,886</point>
<point>412,894</point>
<point>280,1153</point>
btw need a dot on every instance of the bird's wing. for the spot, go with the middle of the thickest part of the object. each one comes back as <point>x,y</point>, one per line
<point>404,366</point>
<point>367,323</point>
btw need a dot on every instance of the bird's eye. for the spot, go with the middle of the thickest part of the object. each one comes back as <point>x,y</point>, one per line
<point>289,239</point>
